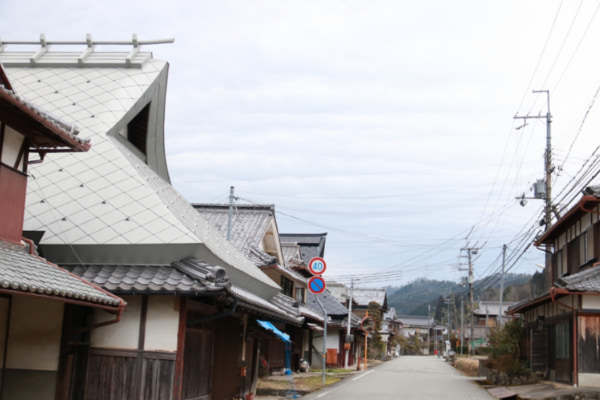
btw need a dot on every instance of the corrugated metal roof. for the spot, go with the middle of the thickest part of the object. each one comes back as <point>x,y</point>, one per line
<point>25,273</point>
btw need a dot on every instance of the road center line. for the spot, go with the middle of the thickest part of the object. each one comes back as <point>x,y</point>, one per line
<point>362,376</point>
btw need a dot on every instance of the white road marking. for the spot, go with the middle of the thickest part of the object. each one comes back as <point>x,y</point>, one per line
<point>322,394</point>
<point>362,376</point>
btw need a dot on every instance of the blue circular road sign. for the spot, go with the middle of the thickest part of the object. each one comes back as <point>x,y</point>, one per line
<point>316,285</point>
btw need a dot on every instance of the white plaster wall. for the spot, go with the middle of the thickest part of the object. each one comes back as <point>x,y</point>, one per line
<point>589,380</point>
<point>34,336</point>
<point>162,323</point>
<point>125,333</point>
<point>333,338</point>
<point>591,302</point>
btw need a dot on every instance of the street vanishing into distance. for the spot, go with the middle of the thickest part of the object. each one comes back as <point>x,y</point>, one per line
<point>406,377</point>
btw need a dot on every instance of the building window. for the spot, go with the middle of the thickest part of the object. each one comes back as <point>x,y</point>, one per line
<point>287,286</point>
<point>300,294</point>
<point>583,245</point>
<point>136,131</point>
<point>573,255</point>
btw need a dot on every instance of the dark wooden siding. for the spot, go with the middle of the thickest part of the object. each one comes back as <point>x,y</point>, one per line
<point>13,187</point>
<point>587,344</point>
<point>197,368</point>
<point>117,374</point>
<point>228,348</point>
<point>539,350</point>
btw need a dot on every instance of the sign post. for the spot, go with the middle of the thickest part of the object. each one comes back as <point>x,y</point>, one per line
<point>317,285</point>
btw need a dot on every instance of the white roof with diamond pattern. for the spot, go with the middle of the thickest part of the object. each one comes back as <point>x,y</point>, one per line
<point>113,195</point>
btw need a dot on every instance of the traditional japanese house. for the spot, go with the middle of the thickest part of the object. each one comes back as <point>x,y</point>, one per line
<point>111,216</point>
<point>563,325</point>
<point>253,230</point>
<point>36,296</point>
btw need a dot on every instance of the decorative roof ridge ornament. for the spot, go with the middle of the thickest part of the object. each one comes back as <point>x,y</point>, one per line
<point>133,58</point>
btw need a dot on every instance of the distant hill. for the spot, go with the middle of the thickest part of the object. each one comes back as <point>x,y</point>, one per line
<point>415,297</point>
<point>412,299</point>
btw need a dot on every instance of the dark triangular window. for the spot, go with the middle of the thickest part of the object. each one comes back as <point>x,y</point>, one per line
<point>137,129</point>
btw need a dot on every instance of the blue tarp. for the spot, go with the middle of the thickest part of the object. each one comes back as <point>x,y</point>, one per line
<point>270,327</point>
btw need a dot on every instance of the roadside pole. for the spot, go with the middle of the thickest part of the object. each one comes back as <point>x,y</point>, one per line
<point>317,285</point>
<point>324,339</point>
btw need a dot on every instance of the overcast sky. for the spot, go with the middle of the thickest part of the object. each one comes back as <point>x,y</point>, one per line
<point>387,124</point>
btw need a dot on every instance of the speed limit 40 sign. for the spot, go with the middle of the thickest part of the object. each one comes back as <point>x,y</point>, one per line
<point>317,266</point>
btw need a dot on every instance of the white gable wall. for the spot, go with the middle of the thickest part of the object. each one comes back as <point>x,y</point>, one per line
<point>112,195</point>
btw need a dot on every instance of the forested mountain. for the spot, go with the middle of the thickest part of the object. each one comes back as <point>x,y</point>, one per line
<point>414,298</point>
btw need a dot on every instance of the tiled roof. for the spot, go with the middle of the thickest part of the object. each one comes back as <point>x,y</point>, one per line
<point>333,307</point>
<point>339,291</point>
<point>25,273</point>
<point>249,225</point>
<point>113,195</point>
<point>415,320</point>
<point>585,281</point>
<point>188,276</point>
<point>291,255</point>
<point>492,308</point>
<point>311,244</point>
<point>363,297</point>
<point>274,308</point>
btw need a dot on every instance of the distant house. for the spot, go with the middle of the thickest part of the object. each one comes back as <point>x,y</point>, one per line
<point>391,326</point>
<point>253,230</point>
<point>419,328</point>
<point>563,325</point>
<point>337,328</point>
<point>488,313</point>
<point>111,216</point>
<point>35,294</point>
<point>311,245</point>
<point>363,297</point>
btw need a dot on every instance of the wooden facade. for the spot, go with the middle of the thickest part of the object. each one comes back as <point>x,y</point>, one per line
<point>563,326</point>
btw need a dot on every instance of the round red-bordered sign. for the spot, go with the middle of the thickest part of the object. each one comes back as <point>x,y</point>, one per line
<point>316,285</point>
<point>317,266</point>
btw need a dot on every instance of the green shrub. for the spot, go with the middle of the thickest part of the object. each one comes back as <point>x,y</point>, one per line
<point>504,346</point>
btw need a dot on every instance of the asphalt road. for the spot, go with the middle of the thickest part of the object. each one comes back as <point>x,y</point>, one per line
<point>405,377</point>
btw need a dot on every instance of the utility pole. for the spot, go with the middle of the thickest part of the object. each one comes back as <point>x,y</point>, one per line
<point>428,327</point>
<point>231,199</point>
<point>462,325</point>
<point>547,196</point>
<point>347,341</point>
<point>448,303</point>
<point>500,313</point>
<point>470,251</point>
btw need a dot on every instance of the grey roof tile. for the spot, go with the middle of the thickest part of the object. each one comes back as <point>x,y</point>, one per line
<point>585,281</point>
<point>249,224</point>
<point>154,278</point>
<point>23,272</point>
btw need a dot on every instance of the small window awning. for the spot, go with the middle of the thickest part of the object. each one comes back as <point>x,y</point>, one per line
<point>270,327</point>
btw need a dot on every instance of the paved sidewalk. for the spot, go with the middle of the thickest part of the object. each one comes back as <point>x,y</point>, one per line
<point>554,391</point>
